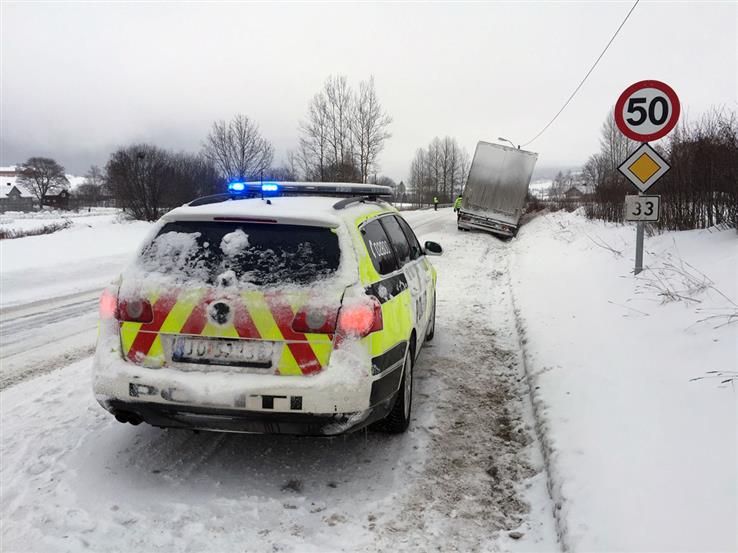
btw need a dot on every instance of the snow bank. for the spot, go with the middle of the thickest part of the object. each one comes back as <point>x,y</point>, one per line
<point>86,256</point>
<point>642,457</point>
<point>21,220</point>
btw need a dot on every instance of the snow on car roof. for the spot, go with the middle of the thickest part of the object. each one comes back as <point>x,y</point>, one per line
<point>295,210</point>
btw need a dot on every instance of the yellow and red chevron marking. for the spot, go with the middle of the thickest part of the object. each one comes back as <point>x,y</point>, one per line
<point>257,316</point>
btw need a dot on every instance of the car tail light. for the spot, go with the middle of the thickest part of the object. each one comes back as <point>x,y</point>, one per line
<point>360,318</point>
<point>135,311</point>
<point>108,305</point>
<point>315,319</point>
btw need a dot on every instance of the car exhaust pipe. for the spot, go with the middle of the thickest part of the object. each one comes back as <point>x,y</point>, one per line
<point>125,416</point>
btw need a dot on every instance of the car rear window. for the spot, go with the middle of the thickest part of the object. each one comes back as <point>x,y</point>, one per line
<point>259,254</point>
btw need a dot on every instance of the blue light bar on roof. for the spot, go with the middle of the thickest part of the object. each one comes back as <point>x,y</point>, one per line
<point>269,187</point>
<point>236,187</point>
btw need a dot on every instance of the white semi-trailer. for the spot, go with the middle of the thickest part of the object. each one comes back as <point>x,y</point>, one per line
<point>496,189</point>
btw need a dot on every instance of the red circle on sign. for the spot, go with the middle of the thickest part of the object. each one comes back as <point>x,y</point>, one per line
<point>663,131</point>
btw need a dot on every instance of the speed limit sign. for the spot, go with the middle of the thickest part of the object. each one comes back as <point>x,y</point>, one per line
<point>647,110</point>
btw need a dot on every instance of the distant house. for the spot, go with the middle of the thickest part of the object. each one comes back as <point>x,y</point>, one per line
<point>577,192</point>
<point>13,197</point>
<point>59,199</point>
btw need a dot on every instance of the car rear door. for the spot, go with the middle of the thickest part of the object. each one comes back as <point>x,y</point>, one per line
<point>423,267</point>
<point>411,264</point>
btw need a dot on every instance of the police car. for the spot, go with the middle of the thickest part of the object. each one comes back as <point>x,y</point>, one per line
<point>294,308</point>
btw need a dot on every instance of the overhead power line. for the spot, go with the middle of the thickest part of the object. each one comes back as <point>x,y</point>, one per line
<point>585,77</point>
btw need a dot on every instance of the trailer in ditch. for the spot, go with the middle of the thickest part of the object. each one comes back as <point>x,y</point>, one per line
<point>496,189</point>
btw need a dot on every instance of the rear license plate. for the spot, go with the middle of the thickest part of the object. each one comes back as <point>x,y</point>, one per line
<point>219,351</point>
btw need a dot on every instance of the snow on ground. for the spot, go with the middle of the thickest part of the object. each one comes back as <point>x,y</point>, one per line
<point>86,256</point>
<point>641,456</point>
<point>22,220</point>
<point>51,284</point>
<point>638,455</point>
<point>467,476</point>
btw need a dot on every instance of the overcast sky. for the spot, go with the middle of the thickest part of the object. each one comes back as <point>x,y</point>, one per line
<point>79,79</point>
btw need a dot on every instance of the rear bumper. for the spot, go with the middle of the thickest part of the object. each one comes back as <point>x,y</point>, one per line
<point>468,221</point>
<point>234,420</point>
<point>343,397</point>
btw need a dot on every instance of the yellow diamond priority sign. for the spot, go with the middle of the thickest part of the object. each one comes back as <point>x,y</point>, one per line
<point>644,167</point>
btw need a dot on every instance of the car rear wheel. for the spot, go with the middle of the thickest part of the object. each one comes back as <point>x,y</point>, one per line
<point>399,418</point>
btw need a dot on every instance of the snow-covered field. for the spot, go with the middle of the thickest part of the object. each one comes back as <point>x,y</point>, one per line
<point>555,409</point>
<point>83,257</point>
<point>20,220</point>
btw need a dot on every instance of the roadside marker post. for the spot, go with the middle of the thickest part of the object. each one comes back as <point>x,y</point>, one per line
<point>645,111</point>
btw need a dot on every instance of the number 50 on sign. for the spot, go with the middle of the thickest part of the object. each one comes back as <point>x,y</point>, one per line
<point>642,208</point>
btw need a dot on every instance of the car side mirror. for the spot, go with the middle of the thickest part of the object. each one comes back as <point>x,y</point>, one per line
<point>433,248</point>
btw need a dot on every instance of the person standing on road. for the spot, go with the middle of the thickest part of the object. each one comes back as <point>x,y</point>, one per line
<point>435,203</point>
<point>457,204</point>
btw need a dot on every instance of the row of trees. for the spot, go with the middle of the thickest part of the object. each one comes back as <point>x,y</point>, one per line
<point>438,170</point>
<point>340,139</point>
<point>700,190</point>
<point>146,180</point>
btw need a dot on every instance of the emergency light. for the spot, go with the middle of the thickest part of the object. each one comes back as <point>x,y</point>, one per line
<point>352,192</point>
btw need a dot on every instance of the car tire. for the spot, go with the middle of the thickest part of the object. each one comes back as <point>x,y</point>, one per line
<point>397,421</point>
<point>432,327</point>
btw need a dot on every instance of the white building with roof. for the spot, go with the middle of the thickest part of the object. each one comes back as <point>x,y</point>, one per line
<point>13,197</point>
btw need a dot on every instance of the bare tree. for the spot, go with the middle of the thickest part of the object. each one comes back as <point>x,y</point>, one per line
<point>95,176</point>
<point>137,177</point>
<point>339,114</point>
<point>42,176</point>
<point>369,127</point>
<point>90,192</point>
<point>313,154</point>
<point>189,177</point>
<point>237,149</point>
<point>440,170</point>
<point>343,133</point>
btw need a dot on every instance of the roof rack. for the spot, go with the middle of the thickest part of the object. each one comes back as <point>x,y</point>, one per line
<point>268,189</point>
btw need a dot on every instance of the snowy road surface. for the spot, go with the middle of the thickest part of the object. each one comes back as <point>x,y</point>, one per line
<point>467,476</point>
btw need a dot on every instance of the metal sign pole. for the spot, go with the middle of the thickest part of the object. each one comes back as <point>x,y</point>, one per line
<point>639,248</point>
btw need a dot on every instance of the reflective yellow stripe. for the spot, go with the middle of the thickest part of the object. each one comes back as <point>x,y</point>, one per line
<point>156,353</point>
<point>128,332</point>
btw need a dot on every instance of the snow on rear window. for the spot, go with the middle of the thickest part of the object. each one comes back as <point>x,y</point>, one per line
<point>171,251</point>
<point>234,243</point>
<point>256,254</point>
